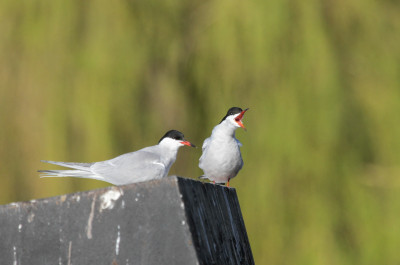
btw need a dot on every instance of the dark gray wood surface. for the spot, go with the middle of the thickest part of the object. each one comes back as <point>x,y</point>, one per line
<point>168,221</point>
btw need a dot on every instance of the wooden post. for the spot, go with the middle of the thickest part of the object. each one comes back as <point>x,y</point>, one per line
<point>169,221</point>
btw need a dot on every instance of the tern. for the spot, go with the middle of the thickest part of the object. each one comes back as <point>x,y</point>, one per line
<point>221,159</point>
<point>149,163</point>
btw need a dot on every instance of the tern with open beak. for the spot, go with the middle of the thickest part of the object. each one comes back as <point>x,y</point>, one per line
<point>221,159</point>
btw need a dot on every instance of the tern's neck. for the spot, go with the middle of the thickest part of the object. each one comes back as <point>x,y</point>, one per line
<point>224,129</point>
<point>172,148</point>
<point>168,155</point>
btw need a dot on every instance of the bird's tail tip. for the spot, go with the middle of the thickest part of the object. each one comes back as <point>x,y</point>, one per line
<point>46,173</point>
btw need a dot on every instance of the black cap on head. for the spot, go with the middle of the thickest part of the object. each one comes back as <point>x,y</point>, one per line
<point>232,111</point>
<point>174,134</point>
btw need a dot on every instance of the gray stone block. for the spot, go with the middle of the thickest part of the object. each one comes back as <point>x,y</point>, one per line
<point>168,221</point>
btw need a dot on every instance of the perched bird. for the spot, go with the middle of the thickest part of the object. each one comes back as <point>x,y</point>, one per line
<point>151,162</point>
<point>221,159</point>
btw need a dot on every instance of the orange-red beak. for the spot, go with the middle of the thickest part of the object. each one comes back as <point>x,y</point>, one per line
<point>239,118</point>
<point>188,143</point>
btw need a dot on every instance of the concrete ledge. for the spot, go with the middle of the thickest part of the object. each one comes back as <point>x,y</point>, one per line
<point>168,221</point>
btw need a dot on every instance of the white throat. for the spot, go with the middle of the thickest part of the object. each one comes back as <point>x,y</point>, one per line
<point>225,128</point>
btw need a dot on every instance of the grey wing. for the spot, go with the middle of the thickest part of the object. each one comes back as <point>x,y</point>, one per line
<point>205,144</point>
<point>132,167</point>
<point>204,148</point>
<point>241,159</point>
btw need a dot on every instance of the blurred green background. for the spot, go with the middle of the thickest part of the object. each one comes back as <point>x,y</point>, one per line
<point>89,80</point>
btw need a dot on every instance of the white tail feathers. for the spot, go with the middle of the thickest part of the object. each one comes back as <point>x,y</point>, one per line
<point>81,166</point>
<point>80,170</point>
<point>69,173</point>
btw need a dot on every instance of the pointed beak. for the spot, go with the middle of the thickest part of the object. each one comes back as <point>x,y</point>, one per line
<point>188,143</point>
<point>239,118</point>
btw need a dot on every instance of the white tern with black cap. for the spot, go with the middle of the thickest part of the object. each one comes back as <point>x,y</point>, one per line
<point>149,163</point>
<point>221,159</point>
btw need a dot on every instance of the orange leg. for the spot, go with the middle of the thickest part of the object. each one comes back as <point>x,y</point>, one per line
<point>214,182</point>
<point>227,184</point>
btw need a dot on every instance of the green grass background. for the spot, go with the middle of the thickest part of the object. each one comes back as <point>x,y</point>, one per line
<point>89,80</point>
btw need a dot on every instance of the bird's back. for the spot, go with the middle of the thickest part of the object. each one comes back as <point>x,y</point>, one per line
<point>132,167</point>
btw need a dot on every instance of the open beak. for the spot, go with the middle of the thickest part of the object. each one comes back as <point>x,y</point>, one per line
<point>239,118</point>
<point>188,143</point>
